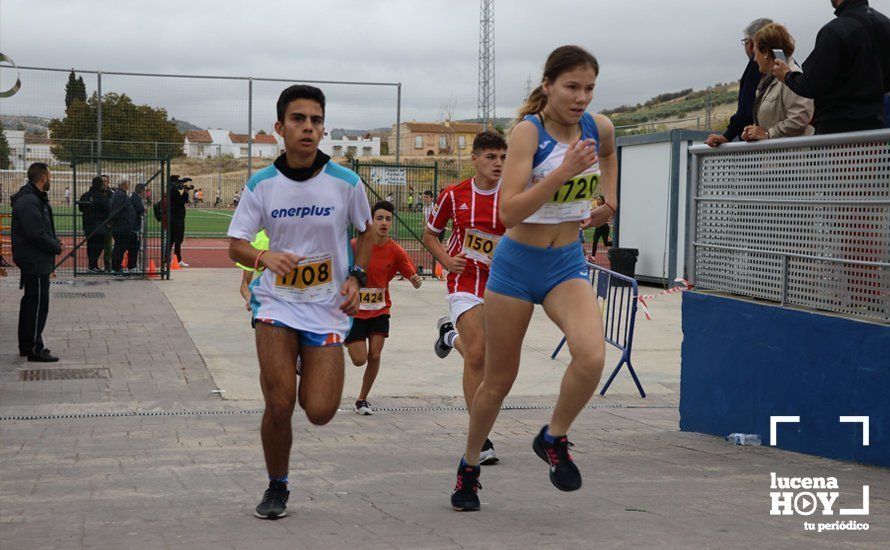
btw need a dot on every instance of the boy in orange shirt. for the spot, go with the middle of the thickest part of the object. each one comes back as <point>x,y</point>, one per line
<point>370,326</point>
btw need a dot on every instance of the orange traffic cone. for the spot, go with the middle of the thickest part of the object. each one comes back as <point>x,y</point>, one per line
<point>126,261</point>
<point>152,270</point>
<point>438,271</point>
<point>174,265</point>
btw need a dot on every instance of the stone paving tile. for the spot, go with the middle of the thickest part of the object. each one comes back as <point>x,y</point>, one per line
<point>133,331</point>
<point>191,482</point>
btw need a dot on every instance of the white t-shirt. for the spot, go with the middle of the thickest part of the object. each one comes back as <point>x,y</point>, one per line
<point>311,219</point>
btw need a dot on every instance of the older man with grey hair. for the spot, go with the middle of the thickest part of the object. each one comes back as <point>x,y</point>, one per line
<point>744,115</point>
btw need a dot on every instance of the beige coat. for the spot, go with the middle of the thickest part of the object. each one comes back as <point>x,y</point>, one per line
<point>784,113</point>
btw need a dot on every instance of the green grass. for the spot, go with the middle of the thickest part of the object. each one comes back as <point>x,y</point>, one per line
<point>214,222</point>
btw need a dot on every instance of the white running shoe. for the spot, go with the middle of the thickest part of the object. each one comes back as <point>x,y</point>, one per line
<point>440,347</point>
<point>183,264</point>
<point>362,407</point>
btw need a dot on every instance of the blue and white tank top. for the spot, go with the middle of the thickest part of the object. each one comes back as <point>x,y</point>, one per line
<point>573,201</point>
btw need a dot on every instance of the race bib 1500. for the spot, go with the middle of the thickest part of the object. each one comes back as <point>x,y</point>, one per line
<point>480,246</point>
<point>311,281</point>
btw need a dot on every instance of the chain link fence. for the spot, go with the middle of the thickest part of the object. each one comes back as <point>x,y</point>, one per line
<point>216,130</point>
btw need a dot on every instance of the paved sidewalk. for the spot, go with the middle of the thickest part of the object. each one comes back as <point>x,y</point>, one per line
<point>150,457</point>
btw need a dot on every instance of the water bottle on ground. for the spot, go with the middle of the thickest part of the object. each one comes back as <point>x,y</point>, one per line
<point>744,439</point>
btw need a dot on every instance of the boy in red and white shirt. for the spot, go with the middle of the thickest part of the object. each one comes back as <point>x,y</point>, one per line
<point>472,207</point>
<point>370,325</point>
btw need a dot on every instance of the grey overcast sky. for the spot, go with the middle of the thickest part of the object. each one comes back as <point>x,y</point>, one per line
<point>644,48</point>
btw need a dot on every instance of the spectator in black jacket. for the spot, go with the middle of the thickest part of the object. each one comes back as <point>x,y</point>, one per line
<point>34,249</point>
<point>744,115</point>
<point>136,240</point>
<point>95,209</point>
<point>123,224</point>
<point>848,72</point>
<point>178,195</point>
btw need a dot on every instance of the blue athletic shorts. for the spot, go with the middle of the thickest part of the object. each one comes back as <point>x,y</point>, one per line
<point>313,339</point>
<point>531,272</point>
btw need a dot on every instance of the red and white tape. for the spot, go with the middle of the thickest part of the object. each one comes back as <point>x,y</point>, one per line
<point>643,298</point>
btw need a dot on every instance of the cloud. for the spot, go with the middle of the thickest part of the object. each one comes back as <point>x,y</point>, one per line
<point>644,48</point>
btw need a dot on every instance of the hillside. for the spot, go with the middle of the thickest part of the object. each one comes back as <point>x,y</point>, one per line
<point>666,110</point>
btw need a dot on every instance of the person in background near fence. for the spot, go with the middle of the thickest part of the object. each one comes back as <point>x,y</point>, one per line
<point>559,154</point>
<point>178,199</point>
<point>261,242</point>
<point>603,231</point>
<point>370,324</point>
<point>34,249</point>
<point>848,71</point>
<point>67,196</point>
<point>95,210</point>
<point>138,201</point>
<point>235,199</point>
<point>427,204</point>
<point>123,224</point>
<point>472,208</point>
<point>778,111</point>
<point>747,88</point>
<point>302,303</point>
<point>108,245</point>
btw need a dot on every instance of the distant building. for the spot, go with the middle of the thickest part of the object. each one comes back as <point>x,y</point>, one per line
<point>212,143</point>
<point>27,148</point>
<point>358,147</point>
<point>435,138</point>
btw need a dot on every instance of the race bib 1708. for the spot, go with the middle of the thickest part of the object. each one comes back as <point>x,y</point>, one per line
<point>311,281</point>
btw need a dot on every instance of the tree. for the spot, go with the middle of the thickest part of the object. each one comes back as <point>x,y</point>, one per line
<point>127,129</point>
<point>4,150</point>
<point>75,90</point>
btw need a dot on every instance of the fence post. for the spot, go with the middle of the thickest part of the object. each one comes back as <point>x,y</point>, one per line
<point>436,179</point>
<point>249,127</point>
<point>398,121</point>
<point>99,121</point>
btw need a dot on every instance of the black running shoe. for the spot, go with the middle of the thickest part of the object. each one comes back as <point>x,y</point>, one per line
<point>441,348</point>
<point>563,473</point>
<point>488,457</point>
<point>464,497</point>
<point>274,503</point>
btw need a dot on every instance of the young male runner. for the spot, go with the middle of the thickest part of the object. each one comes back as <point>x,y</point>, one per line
<point>302,301</point>
<point>472,207</point>
<point>370,326</point>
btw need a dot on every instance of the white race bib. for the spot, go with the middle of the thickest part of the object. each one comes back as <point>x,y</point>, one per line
<point>311,281</point>
<point>371,299</point>
<point>571,202</point>
<point>479,245</point>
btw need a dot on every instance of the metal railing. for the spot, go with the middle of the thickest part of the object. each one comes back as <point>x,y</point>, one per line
<point>798,221</point>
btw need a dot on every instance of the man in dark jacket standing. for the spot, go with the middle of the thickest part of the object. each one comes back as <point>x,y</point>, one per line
<point>744,115</point>
<point>136,242</point>
<point>123,224</point>
<point>34,248</point>
<point>848,72</point>
<point>95,209</point>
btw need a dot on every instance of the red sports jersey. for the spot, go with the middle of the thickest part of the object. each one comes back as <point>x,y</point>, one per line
<point>475,230</point>
<point>386,261</point>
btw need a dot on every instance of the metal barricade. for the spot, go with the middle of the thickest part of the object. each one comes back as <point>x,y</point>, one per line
<point>618,296</point>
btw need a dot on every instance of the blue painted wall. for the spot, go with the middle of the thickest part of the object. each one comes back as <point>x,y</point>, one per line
<point>743,362</point>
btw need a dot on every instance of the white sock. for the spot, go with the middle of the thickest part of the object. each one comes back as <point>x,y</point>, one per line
<point>450,338</point>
